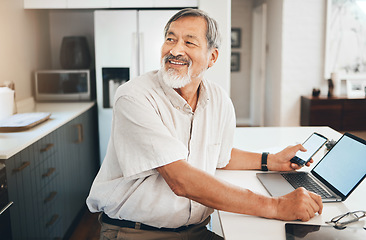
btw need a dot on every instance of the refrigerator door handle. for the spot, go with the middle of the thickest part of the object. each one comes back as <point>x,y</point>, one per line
<point>134,71</point>
<point>141,53</point>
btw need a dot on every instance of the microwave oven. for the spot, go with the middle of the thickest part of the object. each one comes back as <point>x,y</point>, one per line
<point>62,85</point>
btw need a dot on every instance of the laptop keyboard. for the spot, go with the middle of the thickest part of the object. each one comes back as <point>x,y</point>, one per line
<point>301,179</point>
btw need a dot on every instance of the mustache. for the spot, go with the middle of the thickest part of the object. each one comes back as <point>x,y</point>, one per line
<point>177,58</point>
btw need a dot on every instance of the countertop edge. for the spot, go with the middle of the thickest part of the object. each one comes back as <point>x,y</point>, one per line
<point>61,113</point>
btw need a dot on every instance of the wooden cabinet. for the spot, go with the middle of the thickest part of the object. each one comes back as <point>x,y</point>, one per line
<point>55,4</point>
<point>49,180</point>
<point>342,114</point>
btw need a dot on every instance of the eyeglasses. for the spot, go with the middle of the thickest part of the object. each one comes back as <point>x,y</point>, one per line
<point>342,220</point>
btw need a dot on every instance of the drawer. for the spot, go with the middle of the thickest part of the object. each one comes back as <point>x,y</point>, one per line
<point>48,196</point>
<point>45,173</point>
<point>45,148</point>
<point>51,223</point>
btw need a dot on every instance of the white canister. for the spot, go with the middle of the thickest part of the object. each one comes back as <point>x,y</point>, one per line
<point>6,102</point>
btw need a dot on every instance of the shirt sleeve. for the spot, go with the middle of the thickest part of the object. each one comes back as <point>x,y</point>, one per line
<point>141,140</point>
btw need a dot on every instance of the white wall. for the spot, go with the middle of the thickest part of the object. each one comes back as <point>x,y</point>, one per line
<point>220,10</point>
<point>241,17</point>
<point>273,63</point>
<point>302,54</point>
<point>295,57</point>
<point>24,45</point>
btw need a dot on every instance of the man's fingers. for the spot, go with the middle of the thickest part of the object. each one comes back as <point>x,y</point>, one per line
<point>318,200</point>
<point>312,204</point>
<point>301,147</point>
<point>295,166</point>
<point>310,162</point>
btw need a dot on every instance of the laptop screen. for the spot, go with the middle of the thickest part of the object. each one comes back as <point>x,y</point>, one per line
<point>344,166</point>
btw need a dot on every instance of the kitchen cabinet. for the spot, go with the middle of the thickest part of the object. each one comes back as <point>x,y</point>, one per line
<point>44,4</point>
<point>49,180</point>
<point>87,4</point>
<point>76,4</point>
<point>340,113</point>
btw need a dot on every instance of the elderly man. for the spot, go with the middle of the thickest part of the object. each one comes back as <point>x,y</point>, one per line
<point>171,130</point>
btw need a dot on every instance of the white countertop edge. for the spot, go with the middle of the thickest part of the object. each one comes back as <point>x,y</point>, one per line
<point>61,113</point>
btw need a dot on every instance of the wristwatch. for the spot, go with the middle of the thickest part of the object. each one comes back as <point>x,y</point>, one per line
<point>264,161</point>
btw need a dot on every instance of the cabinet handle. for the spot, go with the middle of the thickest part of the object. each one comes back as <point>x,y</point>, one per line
<point>50,197</point>
<point>80,133</point>
<point>52,221</point>
<point>50,171</point>
<point>24,165</point>
<point>6,207</point>
<point>48,147</point>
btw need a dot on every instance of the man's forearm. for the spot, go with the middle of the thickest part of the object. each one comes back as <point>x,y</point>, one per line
<point>204,188</point>
<point>243,160</point>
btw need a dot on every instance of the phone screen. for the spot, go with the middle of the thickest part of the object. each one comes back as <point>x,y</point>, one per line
<point>312,145</point>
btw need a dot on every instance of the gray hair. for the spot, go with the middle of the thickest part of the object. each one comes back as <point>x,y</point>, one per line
<point>212,33</point>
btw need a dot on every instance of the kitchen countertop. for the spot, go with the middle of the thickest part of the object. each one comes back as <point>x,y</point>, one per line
<point>61,113</point>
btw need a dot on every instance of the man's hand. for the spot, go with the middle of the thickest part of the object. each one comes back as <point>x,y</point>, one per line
<point>298,205</point>
<point>281,160</point>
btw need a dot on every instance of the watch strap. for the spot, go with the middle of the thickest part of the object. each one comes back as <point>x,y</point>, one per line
<point>264,161</point>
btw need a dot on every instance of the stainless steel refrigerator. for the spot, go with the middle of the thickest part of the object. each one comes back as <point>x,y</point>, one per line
<point>127,44</point>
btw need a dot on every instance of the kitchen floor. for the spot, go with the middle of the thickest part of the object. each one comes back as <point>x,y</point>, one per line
<point>88,227</point>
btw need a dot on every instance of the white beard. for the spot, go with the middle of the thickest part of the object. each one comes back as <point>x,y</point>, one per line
<point>171,77</point>
<point>173,80</point>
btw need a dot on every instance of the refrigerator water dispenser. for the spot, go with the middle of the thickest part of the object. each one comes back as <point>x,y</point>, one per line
<point>112,79</point>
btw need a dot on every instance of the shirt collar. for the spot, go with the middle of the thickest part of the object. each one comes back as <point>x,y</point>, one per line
<point>178,101</point>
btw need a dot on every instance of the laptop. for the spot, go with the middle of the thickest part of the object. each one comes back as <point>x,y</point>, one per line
<point>334,178</point>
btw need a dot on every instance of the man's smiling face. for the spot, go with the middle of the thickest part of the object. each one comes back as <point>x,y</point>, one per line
<point>185,56</point>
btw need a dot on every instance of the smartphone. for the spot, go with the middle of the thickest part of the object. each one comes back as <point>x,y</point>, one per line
<point>312,145</point>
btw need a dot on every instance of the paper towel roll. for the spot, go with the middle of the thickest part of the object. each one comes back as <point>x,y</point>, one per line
<point>6,102</point>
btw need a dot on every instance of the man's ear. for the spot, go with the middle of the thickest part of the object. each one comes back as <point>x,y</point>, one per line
<point>213,57</point>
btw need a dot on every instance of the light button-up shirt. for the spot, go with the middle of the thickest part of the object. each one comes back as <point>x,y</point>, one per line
<point>153,126</point>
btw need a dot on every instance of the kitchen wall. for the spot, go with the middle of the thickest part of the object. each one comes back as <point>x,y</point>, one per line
<point>69,23</point>
<point>274,57</point>
<point>294,57</point>
<point>221,11</point>
<point>24,45</point>
<point>241,17</point>
<point>303,51</point>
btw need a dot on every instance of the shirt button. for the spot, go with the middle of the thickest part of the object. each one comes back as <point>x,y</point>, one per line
<point>187,107</point>
<point>177,107</point>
